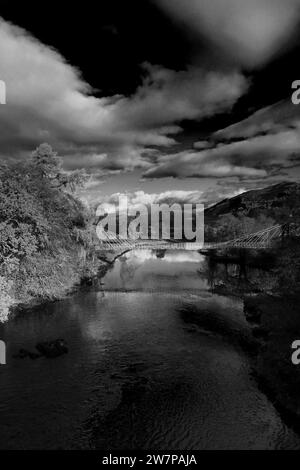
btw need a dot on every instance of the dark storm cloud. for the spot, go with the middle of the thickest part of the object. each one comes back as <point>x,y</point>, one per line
<point>249,32</point>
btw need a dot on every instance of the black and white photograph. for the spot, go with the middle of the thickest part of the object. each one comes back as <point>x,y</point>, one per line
<point>149,228</point>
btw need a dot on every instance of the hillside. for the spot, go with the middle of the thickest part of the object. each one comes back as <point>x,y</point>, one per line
<point>279,202</point>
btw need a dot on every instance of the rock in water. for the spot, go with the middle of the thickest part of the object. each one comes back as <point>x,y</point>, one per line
<point>52,349</point>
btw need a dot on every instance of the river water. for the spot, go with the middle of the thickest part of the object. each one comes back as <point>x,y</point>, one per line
<point>155,362</point>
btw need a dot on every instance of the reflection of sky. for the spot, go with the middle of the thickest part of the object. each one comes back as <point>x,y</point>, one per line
<point>170,256</point>
<point>184,257</point>
<point>142,270</point>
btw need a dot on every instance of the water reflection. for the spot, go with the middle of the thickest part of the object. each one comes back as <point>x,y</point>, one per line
<point>143,270</point>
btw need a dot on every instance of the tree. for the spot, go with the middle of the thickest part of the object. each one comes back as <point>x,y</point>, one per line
<point>46,161</point>
<point>41,225</point>
<point>49,165</point>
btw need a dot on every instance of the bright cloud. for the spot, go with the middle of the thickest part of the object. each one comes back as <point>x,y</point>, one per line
<point>217,163</point>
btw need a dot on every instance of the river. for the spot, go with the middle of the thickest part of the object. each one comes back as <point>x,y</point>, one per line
<point>155,362</point>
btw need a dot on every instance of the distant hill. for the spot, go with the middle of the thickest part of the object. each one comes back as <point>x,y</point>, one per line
<point>274,201</point>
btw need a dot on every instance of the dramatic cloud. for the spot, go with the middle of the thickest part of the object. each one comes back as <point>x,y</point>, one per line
<point>247,31</point>
<point>265,145</point>
<point>167,96</point>
<point>257,157</point>
<point>217,163</point>
<point>269,138</point>
<point>47,100</point>
<point>270,120</point>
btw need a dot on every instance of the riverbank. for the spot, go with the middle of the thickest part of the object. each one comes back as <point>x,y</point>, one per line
<point>64,284</point>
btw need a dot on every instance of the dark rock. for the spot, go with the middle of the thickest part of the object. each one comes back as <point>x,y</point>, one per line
<point>51,349</point>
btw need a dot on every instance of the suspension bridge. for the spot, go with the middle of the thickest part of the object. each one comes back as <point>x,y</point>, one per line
<point>263,239</point>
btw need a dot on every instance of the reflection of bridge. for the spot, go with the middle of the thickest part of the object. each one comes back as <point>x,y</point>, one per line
<point>259,240</point>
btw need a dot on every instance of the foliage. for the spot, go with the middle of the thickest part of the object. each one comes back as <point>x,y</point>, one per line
<point>287,271</point>
<point>5,298</point>
<point>49,166</point>
<point>40,223</point>
<point>231,226</point>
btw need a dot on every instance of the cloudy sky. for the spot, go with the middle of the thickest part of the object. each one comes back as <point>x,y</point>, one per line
<point>161,99</point>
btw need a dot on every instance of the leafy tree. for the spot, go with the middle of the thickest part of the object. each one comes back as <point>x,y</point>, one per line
<point>49,166</point>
